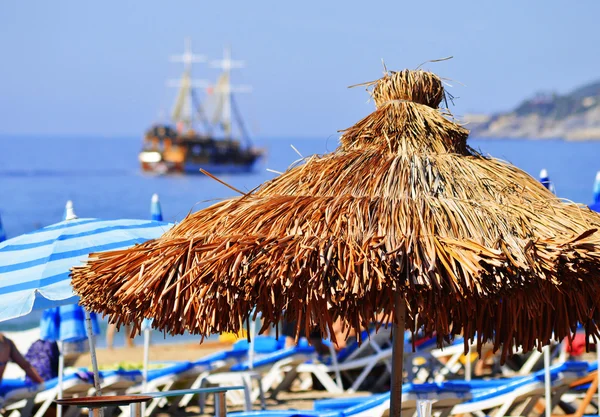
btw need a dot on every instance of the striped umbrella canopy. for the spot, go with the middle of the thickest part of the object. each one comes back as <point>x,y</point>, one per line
<point>34,267</point>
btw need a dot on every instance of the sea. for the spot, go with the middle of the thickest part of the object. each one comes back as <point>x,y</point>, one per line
<point>101,175</point>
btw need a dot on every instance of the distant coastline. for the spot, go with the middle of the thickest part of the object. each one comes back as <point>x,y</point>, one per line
<point>573,117</point>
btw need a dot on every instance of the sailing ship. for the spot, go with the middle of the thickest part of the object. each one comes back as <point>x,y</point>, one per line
<point>192,141</point>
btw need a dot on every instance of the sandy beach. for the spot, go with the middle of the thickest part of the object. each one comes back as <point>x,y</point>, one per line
<point>158,353</point>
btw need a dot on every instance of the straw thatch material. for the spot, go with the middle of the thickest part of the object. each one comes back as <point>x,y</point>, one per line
<point>475,245</point>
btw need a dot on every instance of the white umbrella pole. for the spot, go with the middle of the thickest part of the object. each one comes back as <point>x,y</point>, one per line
<point>468,364</point>
<point>61,370</point>
<point>252,331</point>
<point>147,336</point>
<point>92,341</point>
<point>146,357</point>
<point>547,381</point>
<point>334,360</point>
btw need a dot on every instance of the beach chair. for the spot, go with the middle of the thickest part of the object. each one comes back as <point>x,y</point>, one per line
<point>118,381</point>
<point>443,398</point>
<point>162,379</point>
<point>353,363</point>
<point>17,397</point>
<point>506,395</point>
<point>76,384</point>
<point>428,363</point>
<point>221,362</point>
<point>267,369</point>
<point>581,394</point>
<point>534,362</point>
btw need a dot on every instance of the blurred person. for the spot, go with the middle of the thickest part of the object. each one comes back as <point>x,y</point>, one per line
<point>9,352</point>
<point>288,329</point>
<point>43,356</point>
<point>110,335</point>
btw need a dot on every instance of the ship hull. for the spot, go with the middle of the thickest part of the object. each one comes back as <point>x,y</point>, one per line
<point>164,167</point>
<point>165,151</point>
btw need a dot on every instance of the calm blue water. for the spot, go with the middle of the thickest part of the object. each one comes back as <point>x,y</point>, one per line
<point>101,175</point>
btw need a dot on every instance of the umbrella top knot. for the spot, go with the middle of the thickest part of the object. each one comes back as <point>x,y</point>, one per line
<point>417,86</point>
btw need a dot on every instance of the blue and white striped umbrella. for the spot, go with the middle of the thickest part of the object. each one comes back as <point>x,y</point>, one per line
<point>34,268</point>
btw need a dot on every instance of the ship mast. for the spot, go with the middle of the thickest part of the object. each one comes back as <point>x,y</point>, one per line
<point>225,89</point>
<point>183,110</point>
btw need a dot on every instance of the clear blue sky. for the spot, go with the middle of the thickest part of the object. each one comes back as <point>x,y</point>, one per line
<point>76,67</point>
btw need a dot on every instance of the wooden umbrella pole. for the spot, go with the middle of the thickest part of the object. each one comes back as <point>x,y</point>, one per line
<point>397,356</point>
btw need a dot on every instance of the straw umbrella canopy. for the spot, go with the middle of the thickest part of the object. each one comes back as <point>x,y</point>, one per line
<point>402,213</point>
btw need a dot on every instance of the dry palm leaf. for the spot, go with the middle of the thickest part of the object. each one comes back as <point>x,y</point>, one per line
<point>472,244</point>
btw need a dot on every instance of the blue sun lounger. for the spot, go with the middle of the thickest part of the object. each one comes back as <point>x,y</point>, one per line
<point>74,384</point>
<point>376,405</point>
<point>118,381</point>
<point>268,369</point>
<point>161,379</point>
<point>505,394</point>
<point>223,361</point>
<point>17,394</point>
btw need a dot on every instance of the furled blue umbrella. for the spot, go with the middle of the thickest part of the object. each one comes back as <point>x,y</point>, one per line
<point>155,209</point>
<point>34,268</point>
<point>66,324</point>
<point>596,204</point>
<point>545,180</point>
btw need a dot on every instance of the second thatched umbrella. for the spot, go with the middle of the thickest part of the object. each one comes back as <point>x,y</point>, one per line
<point>402,219</point>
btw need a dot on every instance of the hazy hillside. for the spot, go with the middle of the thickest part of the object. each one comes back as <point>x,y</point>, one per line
<point>573,116</point>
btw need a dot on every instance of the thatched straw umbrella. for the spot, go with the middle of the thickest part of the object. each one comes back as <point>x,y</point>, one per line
<point>402,219</point>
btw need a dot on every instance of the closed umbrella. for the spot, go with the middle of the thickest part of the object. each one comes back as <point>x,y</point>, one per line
<point>546,182</point>
<point>403,221</point>
<point>155,209</point>
<point>66,325</point>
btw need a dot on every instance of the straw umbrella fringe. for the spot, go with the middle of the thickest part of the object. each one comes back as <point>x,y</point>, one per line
<point>472,244</point>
